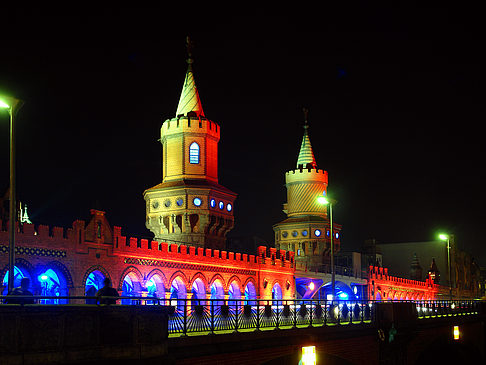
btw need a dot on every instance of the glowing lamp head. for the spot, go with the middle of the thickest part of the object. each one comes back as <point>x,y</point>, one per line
<point>456,333</point>
<point>443,237</point>
<point>322,200</point>
<point>4,105</point>
<point>309,355</point>
<point>311,286</point>
<point>43,277</point>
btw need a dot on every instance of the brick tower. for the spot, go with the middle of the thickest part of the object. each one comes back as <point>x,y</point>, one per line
<point>189,206</point>
<point>306,231</point>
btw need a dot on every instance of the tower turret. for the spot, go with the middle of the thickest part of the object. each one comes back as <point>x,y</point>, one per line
<point>306,231</point>
<point>189,206</point>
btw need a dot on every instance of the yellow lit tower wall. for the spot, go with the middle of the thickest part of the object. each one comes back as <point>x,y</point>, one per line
<point>189,206</point>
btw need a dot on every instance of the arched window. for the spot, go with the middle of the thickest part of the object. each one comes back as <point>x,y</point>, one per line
<point>194,153</point>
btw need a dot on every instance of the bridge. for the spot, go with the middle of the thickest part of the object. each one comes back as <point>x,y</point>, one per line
<point>241,332</point>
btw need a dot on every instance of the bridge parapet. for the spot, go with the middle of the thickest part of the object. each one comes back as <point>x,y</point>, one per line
<point>266,258</point>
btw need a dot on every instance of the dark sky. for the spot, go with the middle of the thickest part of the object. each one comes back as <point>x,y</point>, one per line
<point>395,98</point>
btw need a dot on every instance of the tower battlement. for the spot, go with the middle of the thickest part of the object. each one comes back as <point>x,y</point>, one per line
<point>306,175</point>
<point>154,250</point>
<point>188,124</point>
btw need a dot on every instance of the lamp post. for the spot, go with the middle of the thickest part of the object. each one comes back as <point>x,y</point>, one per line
<point>12,105</point>
<point>445,237</point>
<point>326,201</point>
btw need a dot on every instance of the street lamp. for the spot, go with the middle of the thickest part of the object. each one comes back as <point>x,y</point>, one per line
<point>12,105</point>
<point>445,237</point>
<point>327,201</point>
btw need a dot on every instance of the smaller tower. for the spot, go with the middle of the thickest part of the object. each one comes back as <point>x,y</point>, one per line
<point>415,269</point>
<point>434,272</point>
<point>306,231</point>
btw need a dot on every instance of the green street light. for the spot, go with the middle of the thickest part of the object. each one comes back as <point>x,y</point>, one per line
<point>445,237</point>
<point>326,201</point>
<point>12,105</point>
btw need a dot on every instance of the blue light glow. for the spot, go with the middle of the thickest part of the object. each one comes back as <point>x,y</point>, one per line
<point>212,203</point>
<point>343,296</point>
<point>317,232</point>
<point>221,205</point>
<point>229,207</point>
<point>197,202</point>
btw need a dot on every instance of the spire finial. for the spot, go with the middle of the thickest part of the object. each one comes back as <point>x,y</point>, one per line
<point>189,102</point>
<point>306,114</point>
<point>306,155</point>
<point>189,48</point>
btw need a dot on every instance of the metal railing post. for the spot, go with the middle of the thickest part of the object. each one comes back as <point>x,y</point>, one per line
<point>258,316</point>
<point>236,315</point>
<point>212,316</point>
<point>184,326</point>
<point>310,314</point>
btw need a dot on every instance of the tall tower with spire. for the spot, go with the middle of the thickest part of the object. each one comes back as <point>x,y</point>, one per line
<point>306,231</point>
<point>189,206</point>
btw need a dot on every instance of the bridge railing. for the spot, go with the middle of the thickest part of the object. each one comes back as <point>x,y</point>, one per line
<point>443,308</point>
<point>222,315</point>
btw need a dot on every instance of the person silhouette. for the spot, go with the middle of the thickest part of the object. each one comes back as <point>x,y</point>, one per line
<point>107,291</point>
<point>23,289</point>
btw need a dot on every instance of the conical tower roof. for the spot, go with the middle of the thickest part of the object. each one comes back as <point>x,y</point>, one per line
<point>306,155</point>
<point>189,100</point>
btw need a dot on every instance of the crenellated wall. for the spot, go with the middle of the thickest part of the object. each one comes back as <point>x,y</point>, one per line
<point>385,287</point>
<point>73,256</point>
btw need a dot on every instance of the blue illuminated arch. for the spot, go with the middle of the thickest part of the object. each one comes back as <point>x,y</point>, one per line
<point>217,292</point>
<point>250,293</point>
<point>178,291</point>
<point>54,280</point>
<point>234,294</point>
<point>19,274</point>
<point>277,292</point>
<point>194,153</point>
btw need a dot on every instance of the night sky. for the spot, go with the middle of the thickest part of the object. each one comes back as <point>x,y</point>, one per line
<point>395,99</point>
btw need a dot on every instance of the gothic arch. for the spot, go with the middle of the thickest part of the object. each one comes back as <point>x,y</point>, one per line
<point>199,275</point>
<point>160,274</point>
<point>277,281</point>
<point>183,277</point>
<point>250,280</point>
<point>220,278</point>
<point>95,268</point>
<point>238,281</point>
<point>129,270</point>
<point>62,269</point>
<point>23,263</point>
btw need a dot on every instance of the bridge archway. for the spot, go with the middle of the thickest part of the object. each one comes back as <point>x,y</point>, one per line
<point>155,285</point>
<point>131,285</point>
<point>93,283</point>
<point>217,291</point>
<point>250,293</point>
<point>53,282</point>
<point>342,291</point>
<point>234,293</point>
<point>198,291</point>
<point>21,270</point>
<point>277,291</point>
<point>178,292</point>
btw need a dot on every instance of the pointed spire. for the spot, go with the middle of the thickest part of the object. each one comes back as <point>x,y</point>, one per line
<point>306,155</point>
<point>189,100</point>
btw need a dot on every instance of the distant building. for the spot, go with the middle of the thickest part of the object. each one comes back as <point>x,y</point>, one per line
<point>405,259</point>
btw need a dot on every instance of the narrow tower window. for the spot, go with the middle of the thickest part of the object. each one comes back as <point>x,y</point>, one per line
<point>194,153</point>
